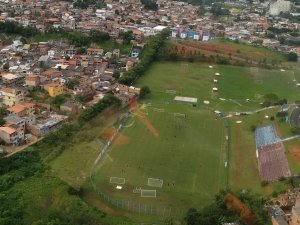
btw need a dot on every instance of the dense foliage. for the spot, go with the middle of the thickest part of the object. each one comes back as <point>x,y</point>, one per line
<point>149,55</point>
<point>61,205</point>
<point>84,4</point>
<point>220,211</point>
<point>94,110</point>
<point>12,28</point>
<point>292,57</point>
<point>149,4</point>
<point>217,10</point>
<point>73,37</point>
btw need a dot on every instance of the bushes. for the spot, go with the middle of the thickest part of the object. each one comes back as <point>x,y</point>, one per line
<point>94,110</point>
<point>13,28</point>
<point>149,55</point>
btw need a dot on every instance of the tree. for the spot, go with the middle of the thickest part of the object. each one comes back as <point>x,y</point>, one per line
<point>71,83</point>
<point>81,51</point>
<point>99,36</point>
<point>295,130</point>
<point>6,66</point>
<point>116,74</point>
<point>150,4</point>
<point>127,36</point>
<point>292,57</point>
<point>2,121</point>
<point>145,90</point>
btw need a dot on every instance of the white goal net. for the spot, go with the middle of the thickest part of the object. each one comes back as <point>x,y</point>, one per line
<point>148,193</point>
<point>152,182</point>
<point>117,180</point>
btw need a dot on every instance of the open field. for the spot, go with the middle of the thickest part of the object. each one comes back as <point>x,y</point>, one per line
<point>242,52</point>
<point>187,152</point>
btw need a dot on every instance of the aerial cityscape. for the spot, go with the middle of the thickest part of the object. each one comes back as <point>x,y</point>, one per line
<point>149,112</point>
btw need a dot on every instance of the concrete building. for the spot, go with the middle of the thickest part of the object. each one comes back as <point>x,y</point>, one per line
<point>12,96</point>
<point>276,7</point>
<point>9,135</point>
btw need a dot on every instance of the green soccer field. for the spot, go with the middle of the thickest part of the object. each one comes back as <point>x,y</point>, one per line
<point>188,154</point>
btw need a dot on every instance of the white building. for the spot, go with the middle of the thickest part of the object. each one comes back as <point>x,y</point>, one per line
<point>279,6</point>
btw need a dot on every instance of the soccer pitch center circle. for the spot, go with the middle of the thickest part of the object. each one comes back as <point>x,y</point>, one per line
<point>118,183</point>
<point>127,178</point>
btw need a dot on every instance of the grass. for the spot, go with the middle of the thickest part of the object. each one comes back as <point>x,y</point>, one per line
<point>86,148</point>
<point>44,197</point>
<point>190,159</point>
<point>254,52</point>
<point>110,45</point>
<point>188,154</point>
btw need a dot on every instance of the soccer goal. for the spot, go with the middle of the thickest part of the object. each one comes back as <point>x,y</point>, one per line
<point>179,115</point>
<point>158,110</point>
<point>117,180</point>
<point>148,193</point>
<point>152,182</point>
<point>173,92</point>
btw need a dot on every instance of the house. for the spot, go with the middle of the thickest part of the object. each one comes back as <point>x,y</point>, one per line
<point>32,80</point>
<point>95,51</point>
<point>129,65</point>
<point>54,89</point>
<point>135,52</point>
<point>9,79</point>
<point>52,73</point>
<point>70,107</point>
<point>22,109</point>
<point>295,218</point>
<point>44,126</point>
<point>18,124</point>
<point>15,120</point>
<point>131,89</point>
<point>12,96</point>
<point>278,220</point>
<point>84,89</point>
<point>9,135</point>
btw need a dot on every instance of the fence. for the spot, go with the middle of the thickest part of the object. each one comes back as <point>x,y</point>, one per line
<point>132,206</point>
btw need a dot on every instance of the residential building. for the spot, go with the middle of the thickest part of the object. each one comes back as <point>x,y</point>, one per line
<point>70,107</point>
<point>9,135</point>
<point>276,7</point>
<point>22,109</point>
<point>12,96</point>
<point>54,89</point>
<point>295,218</point>
<point>32,80</point>
<point>43,127</point>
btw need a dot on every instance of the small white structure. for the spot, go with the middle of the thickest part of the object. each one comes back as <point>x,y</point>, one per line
<point>215,81</point>
<point>206,102</point>
<point>211,67</point>
<point>217,74</point>
<point>215,89</point>
<point>186,99</point>
<point>159,28</point>
<point>119,187</point>
<point>239,121</point>
<point>266,116</point>
<point>183,35</point>
<point>282,70</point>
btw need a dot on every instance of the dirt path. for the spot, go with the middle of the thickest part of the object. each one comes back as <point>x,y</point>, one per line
<point>15,150</point>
